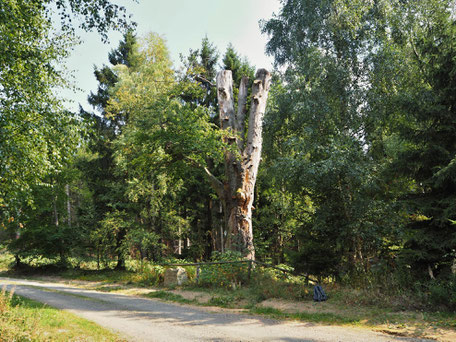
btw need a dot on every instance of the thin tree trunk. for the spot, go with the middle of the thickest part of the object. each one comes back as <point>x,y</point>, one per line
<point>67,191</point>
<point>56,213</point>
<point>222,231</point>
<point>179,246</point>
<point>19,264</point>
<point>120,255</point>
<point>56,222</point>
<point>98,257</point>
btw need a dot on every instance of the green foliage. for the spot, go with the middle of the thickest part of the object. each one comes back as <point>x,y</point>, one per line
<point>224,275</point>
<point>6,261</point>
<point>361,125</point>
<point>438,294</point>
<point>239,68</point>
<point>429,154</point>
<point>38,136</point>
<point>271,283</point>
<point>201,66</point>
<point>113,230</point>
<point>316,135</point>
<point>168,134</point>
<point>149,275</point>
<point>101,15</point>
<point>280,214</point>
<point>358,172</point>
<point>47,229</point>
<point>98,165</point>
<point>143,244</point>
<point>107,79</point>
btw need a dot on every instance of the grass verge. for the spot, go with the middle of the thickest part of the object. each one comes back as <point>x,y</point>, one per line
<point>336,311</point>
<point>22,319</point>
<point>320,317</point>
<point>168,296</point>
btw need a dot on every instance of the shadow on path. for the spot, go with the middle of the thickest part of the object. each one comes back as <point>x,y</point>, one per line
<point>144,319</point>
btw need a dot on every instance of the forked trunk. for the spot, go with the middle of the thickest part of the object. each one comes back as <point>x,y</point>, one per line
<point>242,157</point>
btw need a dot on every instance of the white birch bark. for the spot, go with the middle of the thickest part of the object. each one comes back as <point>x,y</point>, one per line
<point>67,191</point>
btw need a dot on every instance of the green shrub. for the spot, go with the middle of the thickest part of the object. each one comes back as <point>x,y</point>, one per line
<point>6,261</point>
<point>265,284</point>
<point>224,275</point>
<point>441,293</point>
<point>150,274</point>
<point>223,301</point>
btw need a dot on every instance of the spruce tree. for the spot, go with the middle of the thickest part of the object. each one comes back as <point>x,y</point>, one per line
<point>100,170</point>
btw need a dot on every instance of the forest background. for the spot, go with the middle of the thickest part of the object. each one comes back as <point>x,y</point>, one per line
<point>357,179</point>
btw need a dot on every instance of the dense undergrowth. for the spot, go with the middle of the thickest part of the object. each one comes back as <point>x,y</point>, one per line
<point>387,290</point>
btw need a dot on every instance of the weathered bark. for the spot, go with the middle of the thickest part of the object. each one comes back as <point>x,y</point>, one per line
<point>241,168</point>
<point>241,111</point>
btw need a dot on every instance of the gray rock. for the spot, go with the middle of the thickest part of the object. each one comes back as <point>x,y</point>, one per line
<point>175,276</point>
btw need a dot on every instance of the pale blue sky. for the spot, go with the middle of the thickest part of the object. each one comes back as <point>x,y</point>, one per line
<point>183,23</point>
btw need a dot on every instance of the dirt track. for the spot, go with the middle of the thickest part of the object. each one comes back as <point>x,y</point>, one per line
<point>140,319</point>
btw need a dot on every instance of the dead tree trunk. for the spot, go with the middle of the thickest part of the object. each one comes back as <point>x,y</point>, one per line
<point>242,156</point>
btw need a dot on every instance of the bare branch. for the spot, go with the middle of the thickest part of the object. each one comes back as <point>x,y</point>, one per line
<point>252,151</point>
<point>202,79</point>
<point>215,183</point>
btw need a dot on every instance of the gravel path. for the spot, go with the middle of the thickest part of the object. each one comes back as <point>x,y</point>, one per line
<point>140,319</point>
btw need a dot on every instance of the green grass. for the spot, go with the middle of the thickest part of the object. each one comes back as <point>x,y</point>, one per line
<point>340,309</point>
<point>109,288</point>
<point>320,317</point>
<point>222,301</point>
<point>22,319</point>
<point>168,296</point>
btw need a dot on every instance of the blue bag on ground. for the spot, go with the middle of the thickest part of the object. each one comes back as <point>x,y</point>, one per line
<point>319,294</point>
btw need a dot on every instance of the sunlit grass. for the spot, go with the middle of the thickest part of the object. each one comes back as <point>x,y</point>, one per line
<point>22,319</point>
<point>319,317</point>
<point>168,296</point>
